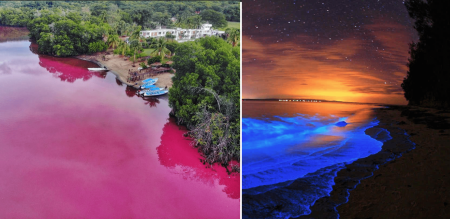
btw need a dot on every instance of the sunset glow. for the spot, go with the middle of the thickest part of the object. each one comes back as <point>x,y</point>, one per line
<point>355,52</point>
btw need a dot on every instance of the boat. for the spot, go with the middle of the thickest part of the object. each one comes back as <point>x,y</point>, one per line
<point>155,93</point>
<point>154,88</point>
<point>148,85</point>
<point>98,69</point>
<point>149,80</point>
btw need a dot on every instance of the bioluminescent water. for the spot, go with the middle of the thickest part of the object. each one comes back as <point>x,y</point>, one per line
<point>305,142</point>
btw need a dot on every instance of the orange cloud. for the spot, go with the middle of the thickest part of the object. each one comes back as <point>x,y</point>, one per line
<point>345,70</point>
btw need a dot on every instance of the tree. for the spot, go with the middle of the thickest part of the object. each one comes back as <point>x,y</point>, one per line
<point>233,36</point>
<point>123,48</point>
<point>135,46</point>
<point>217,19</point>
<point>140,15</point>
<point>427,78</point>
<point>206,96</point>
<point>193,22</point>
<point>160,48</point>
<point>136,33</point>
<point>161,18</point>
<point>172,46</point>
<point>113,41</point>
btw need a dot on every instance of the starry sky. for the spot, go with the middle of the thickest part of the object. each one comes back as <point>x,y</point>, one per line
<point>343,50</point>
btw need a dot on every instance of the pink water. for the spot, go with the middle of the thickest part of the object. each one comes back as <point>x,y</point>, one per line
<point>77,144</point>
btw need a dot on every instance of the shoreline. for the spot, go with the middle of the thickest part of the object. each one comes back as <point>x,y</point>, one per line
<point>119,67</point>
<point>396,143</point>
<point>416,184</point>
<point>376,186</point>
<point>344,177</point>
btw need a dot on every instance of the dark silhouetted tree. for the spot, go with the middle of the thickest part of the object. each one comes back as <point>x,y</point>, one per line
<point>428,79</point>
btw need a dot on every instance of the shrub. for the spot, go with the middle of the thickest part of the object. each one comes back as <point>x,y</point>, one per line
<point>153,60</point>
<point>143,65</point>
<point>172,46</point>
<point>97,47</point>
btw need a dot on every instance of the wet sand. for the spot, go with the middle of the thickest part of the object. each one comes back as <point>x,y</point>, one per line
<point>411,184</point>
<point>417,185</point>
<point>119,66</point>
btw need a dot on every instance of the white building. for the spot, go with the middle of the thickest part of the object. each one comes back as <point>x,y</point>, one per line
<point>182,35</point>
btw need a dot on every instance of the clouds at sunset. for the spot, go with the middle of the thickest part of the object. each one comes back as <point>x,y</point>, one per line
<point>366,63</point>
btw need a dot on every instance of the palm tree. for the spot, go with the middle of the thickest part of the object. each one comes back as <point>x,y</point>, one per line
<point>135,46</point>
<point>113,41</point>
<point>123,47</point>
<point>160,48</point>
<point>233,36</point>
<point>136,33</point>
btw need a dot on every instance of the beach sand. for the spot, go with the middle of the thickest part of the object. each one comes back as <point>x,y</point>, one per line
<point>406,182</point>
<point>118,66</point>
<point>416,185</point>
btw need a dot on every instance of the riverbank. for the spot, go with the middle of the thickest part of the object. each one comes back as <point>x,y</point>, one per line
<point>120,67</point>
<point>408,185</point>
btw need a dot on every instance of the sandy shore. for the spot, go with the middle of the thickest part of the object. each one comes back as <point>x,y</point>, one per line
<point>118,66</point>
<point>405,183</point>
<point>417,185</point>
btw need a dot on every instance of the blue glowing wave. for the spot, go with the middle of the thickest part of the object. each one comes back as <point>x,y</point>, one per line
<point>283,148</point>
<point>281,151</point>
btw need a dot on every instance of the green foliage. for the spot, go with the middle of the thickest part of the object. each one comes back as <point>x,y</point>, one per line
<point>172,46</point>
<point>98,46</point>
<point>215,18</point>
<point>206,96</point>
<point>113,41</point>
<point>153,60</point>
<point>232,13</point>
<point>189,21</point>
<point>15,16</point>
<point>143,65</point>
<point>233,36</point>
<point>160,48</point>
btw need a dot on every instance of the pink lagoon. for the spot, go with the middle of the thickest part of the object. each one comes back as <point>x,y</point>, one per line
<point>79,144</point>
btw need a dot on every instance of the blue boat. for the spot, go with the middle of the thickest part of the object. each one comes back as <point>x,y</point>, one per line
<point>155,93</point>
<point>152,88</point>
<point>150,80</point>
<point>148,85</point>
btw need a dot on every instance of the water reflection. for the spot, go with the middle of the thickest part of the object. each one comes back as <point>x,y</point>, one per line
<point>151,101</point>
<point>69,69</point>
<point>176,153</point>
<point>130,91</point>
<point>118,82</point>
<point>13,34</point>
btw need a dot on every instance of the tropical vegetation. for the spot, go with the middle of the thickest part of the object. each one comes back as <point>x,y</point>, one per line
<point>67,28</point>
<point>206,96</point>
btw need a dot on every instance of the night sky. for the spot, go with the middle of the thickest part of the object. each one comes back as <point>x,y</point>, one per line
<point>344,50</point>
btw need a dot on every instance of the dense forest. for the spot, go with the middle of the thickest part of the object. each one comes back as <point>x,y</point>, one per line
<point>206,96</point>
<point>67,28</point>
<point>428,78</point>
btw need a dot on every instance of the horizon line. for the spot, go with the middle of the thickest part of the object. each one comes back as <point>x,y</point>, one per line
<point>322,100</point>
